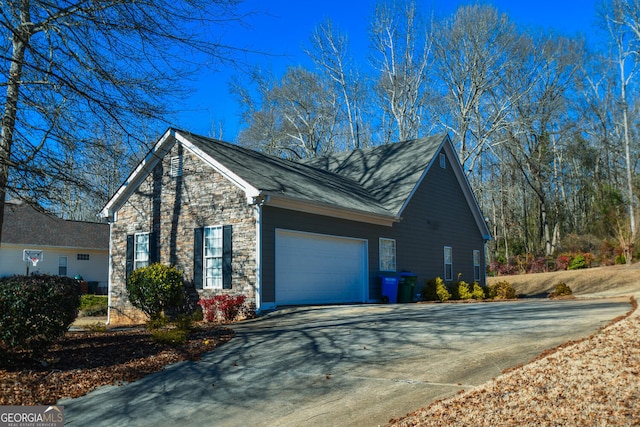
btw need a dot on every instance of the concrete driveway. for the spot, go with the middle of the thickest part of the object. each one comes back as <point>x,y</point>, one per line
<point>344,365</point>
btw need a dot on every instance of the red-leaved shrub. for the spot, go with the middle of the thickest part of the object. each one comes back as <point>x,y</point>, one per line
<point>222,308</point>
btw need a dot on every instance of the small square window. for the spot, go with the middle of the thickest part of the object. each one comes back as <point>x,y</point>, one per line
<point>82,257</point>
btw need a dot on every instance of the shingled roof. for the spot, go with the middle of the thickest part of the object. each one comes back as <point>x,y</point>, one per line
<point>370,185</point>
<point>25,225</point>
<point>272,175</point>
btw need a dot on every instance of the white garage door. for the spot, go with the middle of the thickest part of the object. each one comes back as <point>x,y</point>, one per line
<point>319,269</point>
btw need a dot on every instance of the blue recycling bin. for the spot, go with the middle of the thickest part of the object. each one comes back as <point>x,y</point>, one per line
<point>389,289</point>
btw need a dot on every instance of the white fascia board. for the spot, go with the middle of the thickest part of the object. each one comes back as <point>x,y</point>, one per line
<point>250,191</point>
<point>145,167</point>
<point>279,201</point>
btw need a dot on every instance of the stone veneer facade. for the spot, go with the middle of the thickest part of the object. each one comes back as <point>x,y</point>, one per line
<point>172,207</point>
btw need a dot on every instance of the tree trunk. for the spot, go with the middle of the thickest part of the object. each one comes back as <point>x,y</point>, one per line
<point>19,44</point>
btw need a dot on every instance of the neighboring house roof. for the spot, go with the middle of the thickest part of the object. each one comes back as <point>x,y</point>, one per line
<point>25,225</point>
<point>372,185</point>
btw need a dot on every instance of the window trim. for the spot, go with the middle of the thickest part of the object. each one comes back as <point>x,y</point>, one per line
<point>216,281</point>
<point>65,266</point>
<point>382,265</point>
<point>450,263</point>
<point>137,260</point>
<point>476,265</point>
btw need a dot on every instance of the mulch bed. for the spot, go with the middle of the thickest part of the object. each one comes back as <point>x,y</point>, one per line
<point>82,361</point>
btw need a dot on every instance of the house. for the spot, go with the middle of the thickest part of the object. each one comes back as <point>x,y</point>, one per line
<point>67,248</point>
<point>289,233</point>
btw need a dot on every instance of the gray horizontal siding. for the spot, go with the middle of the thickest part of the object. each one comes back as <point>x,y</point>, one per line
<point>438,215</point>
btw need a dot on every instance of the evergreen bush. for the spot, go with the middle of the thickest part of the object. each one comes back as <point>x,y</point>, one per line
<point>441,290</point>
<point>502,290</point>
<point>478,292</point>
<point>463,290</point>
<point>561,289</point>
<point>155,288</point>
<point>36,310</point>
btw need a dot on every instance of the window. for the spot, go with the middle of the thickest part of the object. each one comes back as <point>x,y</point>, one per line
<point>176,166</point>
<point>141,250</point>
<point>83,257</point>
<point>62,265</point>
<point>443,161</point>
<point>387,254</point>
<point>448,263</point>
<point>213,257</point>
<point>476,265</point>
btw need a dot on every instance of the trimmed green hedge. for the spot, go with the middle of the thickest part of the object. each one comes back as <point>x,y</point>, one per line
<point>36,310</point>
<point>155,288</point>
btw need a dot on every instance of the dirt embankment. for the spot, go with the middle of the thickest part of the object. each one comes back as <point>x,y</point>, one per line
<point>597,282</point>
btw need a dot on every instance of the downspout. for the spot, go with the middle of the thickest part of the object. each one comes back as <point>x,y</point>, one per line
<point>258,201</point>
<point>258,286</point>
<point>110,273</point>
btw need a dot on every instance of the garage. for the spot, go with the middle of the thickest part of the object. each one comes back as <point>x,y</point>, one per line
<point>319,269</point>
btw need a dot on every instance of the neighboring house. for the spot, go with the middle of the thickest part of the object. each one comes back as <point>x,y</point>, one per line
<point>289,233</point>
<point>69,248</point>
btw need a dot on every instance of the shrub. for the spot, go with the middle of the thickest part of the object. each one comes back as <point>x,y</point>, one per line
<point>94,305</point>
<point>441,290</point>
<point>562,289</point>
<point>155,288</point>
<point>478,292</point>
<point>562,262</point>
<point>222,308</point>
<point>36,310</point>
<point>463,290</point>
<point>577,262</point>
<point>502,290</point>
<point>452,288</point>
<point>428,292</point>
<point>173,337</point>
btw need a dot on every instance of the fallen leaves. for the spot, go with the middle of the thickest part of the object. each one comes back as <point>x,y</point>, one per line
<point>82,361</point>
<point>588,383</point>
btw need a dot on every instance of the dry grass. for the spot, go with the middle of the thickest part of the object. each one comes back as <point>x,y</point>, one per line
<point>593,382</point>
<point>600,281</point>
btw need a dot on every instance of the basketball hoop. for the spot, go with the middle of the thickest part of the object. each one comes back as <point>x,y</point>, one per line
<point>32,255</point>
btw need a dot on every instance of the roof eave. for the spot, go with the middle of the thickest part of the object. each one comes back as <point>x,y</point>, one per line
<point>284,202</point>
<point>145,167</point>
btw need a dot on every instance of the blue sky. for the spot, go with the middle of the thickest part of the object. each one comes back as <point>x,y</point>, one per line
<point>283,27</point>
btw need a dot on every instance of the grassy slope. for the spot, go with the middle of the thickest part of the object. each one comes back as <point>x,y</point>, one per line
<point>600,281</point>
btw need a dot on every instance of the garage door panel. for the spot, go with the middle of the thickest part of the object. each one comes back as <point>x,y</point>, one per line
<point>316,269</point>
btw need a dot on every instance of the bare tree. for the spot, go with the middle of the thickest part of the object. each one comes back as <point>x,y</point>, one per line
<point>541,123</point>
<point>71,67</point>
<point>474,51</point>
<point>294,117</point>
<point>329,52</point>
<point>622,21</point>
<point>401,44</point>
